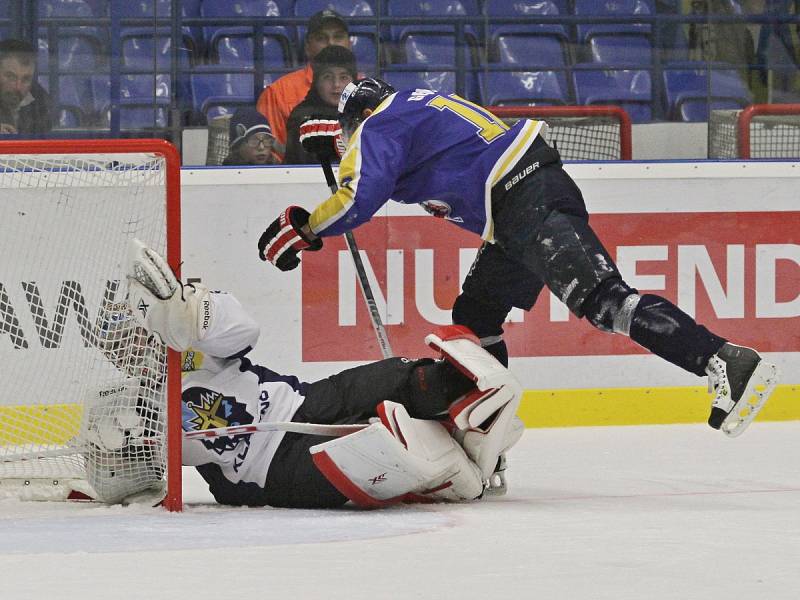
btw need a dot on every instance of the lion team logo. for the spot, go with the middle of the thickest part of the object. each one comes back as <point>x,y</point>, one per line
<point>207,409</point>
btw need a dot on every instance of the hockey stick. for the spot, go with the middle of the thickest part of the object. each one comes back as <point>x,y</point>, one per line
<point>363,283</point>
<point>310,428</point>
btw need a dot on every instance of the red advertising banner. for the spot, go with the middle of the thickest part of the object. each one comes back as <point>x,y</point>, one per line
<point>737,272</point>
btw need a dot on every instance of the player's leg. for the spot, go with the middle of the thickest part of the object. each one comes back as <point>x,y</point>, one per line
<point>495,284</point>
<point>544,223</point>
<point>292,480</point>
<point>425,387</point>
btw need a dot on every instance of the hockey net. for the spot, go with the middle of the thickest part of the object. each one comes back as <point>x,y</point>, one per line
<point>89,403</point>
<point>758,131</point>
<point>579,132</point>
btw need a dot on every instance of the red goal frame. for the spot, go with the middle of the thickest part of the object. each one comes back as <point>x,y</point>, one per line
<point>755,110</point>
<point>542,112</point>
<point>174,498</point>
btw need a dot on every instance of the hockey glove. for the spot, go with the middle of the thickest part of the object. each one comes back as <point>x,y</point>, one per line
<point>283,239</point>
<point>322,137</point>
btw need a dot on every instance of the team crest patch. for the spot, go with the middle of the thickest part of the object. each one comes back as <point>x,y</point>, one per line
<point>206,409</point>
<point>437,208</point>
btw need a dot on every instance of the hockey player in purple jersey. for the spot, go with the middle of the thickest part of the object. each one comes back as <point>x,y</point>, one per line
<point>506,184</point>
<point>422,430</point>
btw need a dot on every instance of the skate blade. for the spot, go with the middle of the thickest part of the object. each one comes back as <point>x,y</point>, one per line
<point>759,387</point>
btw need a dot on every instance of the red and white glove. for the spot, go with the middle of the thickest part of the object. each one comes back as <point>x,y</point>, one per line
<point>284,239</point>
<point>322,137</point>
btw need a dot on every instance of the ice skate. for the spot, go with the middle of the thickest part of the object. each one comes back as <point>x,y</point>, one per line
<point>742,383</point>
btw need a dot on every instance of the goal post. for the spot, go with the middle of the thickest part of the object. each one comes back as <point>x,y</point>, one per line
<point>580,132</point>
<point>758,131</point>
<point>89,403</point>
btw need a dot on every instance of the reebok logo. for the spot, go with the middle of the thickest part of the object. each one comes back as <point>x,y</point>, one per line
<point>109,392</point>
<point>521,175</point>
<point>143,307</point>
<point>206,313</point>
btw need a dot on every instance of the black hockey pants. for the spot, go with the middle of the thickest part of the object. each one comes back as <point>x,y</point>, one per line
<point>543,237</point>
<point>425,387</point>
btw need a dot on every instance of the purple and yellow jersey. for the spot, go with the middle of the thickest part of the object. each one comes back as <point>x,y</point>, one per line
<point>428,148</point>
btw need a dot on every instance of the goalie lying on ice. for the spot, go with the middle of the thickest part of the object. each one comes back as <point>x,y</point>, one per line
<point>438,428</point>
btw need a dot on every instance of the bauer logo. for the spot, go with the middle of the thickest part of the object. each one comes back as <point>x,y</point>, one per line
<point>743,283</point>
<point>521,175</point>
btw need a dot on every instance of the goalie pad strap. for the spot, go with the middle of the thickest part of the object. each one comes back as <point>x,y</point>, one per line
<point>462,349</point>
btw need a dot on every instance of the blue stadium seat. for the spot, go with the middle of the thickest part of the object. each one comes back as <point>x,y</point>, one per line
<point>238,51</point>
<point>431,8</point>
<point>215,94</point>
<point>80,47</point>
<point>443,81</point>
<point>527,88</point>
<point>605,8</point>
<point>73,102</point>
<point>692,92</point>
<point>621,50</point>
<point>284,36</point>
<point>532,53</point>
<point>138,45</point>
<point>144,100</point>
<point>141,52</point>
<point>64,8</point>
<point>363,38</point>
<point>430,50</point>
<point>525,8</point>
<point>629,88</point>
<point>75,53</point>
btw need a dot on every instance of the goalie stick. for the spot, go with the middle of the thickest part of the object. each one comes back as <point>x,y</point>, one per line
<point>363,282</point>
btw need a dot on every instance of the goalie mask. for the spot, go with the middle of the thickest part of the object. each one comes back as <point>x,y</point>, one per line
<point>358,96</point>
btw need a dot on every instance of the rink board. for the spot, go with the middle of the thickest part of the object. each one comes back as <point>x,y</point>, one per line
<point>720,239</point>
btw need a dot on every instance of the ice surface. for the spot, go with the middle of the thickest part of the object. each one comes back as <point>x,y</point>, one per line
<point>655,513</point>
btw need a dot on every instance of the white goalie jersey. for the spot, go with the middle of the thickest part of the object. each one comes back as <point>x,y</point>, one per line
<point>221,388</point>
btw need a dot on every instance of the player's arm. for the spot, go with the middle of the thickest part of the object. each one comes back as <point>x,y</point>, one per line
<point>368,173</point>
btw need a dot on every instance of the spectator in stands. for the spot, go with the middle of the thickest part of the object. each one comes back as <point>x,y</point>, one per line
<point>334,67</point>
<point>325,28</point>
<point>24,105</point>
<point>251,140</point>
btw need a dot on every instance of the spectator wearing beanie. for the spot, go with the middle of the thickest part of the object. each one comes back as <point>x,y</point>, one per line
<point>251,140</point>
<point>333,68</point>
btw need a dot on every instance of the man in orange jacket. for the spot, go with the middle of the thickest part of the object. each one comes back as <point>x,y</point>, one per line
<point>325,28</point>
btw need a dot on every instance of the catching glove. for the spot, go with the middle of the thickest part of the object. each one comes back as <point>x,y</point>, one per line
<point>322,137</point>
<point>283,239</point>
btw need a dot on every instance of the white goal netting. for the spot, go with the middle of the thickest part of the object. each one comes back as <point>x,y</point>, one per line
<point>82,396</point>
<point>767,136</point>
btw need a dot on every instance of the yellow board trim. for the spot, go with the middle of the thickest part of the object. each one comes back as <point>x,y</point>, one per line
<point>639,406</point>
<point>539,408</point>
<point>53,424</point>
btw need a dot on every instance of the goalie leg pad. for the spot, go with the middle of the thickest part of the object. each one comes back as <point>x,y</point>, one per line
<point>398,459</point>
<point>496,385</point>
<point>179,315</point>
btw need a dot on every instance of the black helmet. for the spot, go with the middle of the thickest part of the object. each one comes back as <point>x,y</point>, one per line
<point>357,97</point>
